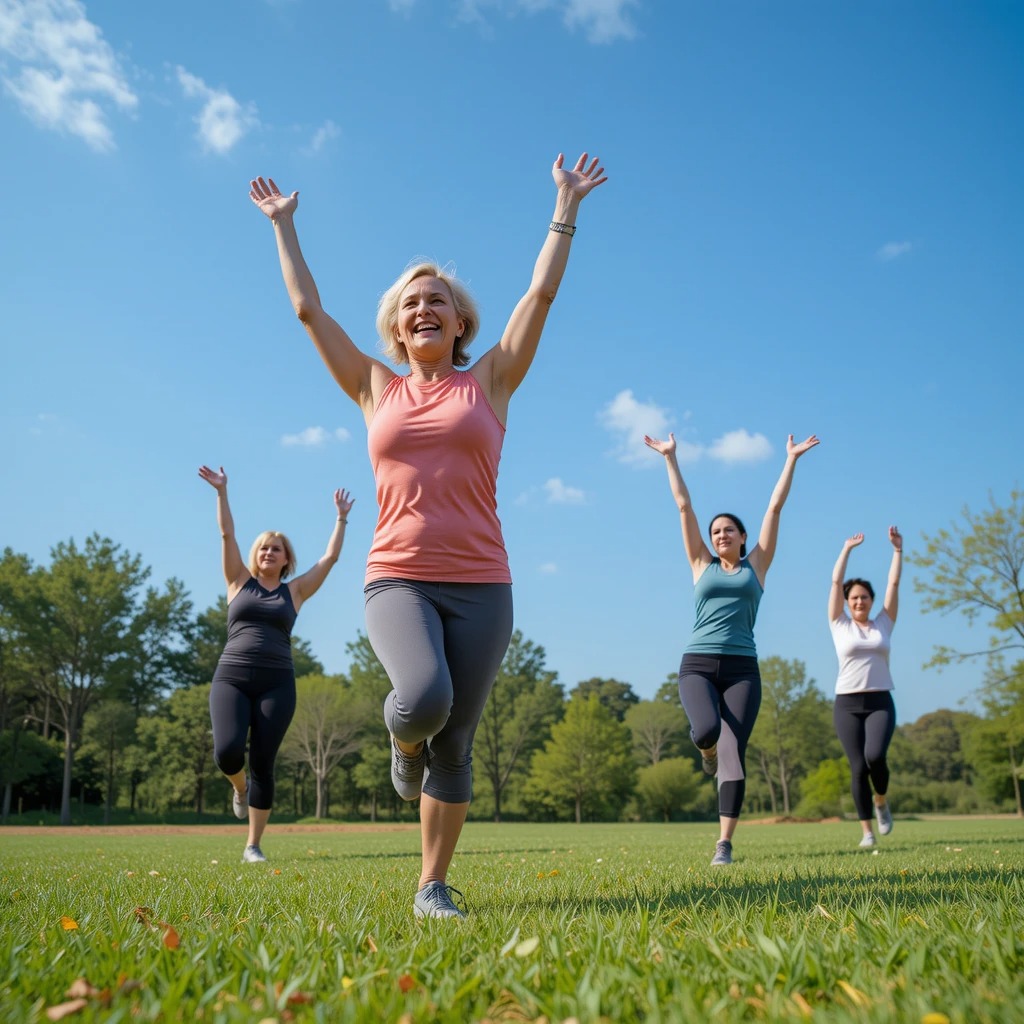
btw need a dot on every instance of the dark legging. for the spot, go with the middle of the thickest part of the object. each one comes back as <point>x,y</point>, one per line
<point>865,723</point>
<point>253,703</point>
<point>441,645</point>
<point>721,695</point>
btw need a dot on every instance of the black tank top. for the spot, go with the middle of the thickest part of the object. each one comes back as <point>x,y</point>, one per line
<point>260,627</point>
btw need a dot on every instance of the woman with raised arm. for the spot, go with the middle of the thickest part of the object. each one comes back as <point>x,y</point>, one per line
<point>719,679</point>
<point>438,588</point>
<point>864,712</point>
<point>253,693</point>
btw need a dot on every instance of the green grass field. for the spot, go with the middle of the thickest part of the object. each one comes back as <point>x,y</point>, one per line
<point>592,922</point>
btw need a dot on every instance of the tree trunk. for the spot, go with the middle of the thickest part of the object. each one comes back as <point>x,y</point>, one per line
<point>784,783</point>
<point>1015,772</point>
<point>319,796</point>
<point>768,781</point>
<point>497,803</point>
<point>373,806</point>
<point>108,803</point>
<point>579,810</point>
<point>65,791</point>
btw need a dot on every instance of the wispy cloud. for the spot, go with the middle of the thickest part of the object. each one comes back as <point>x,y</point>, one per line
<point>327,131</point>
<point>548,568</point>
<point>314,437</point>
<point>893,250</point>
<point>600,21</point>
<point>627,420</point>
<point>67,75</point>
<point>222,121</point>
<point>561,494</point>
<point>740,446</point>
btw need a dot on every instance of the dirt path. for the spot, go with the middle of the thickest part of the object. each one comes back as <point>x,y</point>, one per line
<point>178,830</point>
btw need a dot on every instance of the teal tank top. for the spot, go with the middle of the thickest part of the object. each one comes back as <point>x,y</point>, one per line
<point>726,610</point>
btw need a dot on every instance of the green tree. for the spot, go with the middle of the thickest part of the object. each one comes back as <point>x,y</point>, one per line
<point>525,702</point>
<point>935,739</point>
<point>180,741</point>
<point>657,727</point>
<point>108,732</point>
<point>616,696</point>
<point>791,724</point>
<point>365,673</point>
<point>667,786</point>
<point>372,774</point>
<point>586,764</point>
<point>328,725</point>
<point>825,788</point>
<point>997,744</point>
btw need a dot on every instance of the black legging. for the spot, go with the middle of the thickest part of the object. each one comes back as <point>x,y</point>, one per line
<point>253,703</point>
<point>721,695</point>
<point>865,723</point>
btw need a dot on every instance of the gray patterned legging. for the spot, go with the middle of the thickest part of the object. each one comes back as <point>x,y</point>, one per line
<point>441,645</point>
<point>721,695</point>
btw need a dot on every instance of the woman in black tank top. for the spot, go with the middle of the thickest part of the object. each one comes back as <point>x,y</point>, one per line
<point>252,696</point>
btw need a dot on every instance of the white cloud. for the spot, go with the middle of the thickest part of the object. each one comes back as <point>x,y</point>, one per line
<point>740,446</point>
<point>327,131</point>
<point>893,250</point>
<point>67,73</point>
<point>548,568</point>
<point>561,494</point>
<point>222,121</point>
<point>602,21</point>
<point>314,437</point>
<point>401,6</point>
<point>628,420</point>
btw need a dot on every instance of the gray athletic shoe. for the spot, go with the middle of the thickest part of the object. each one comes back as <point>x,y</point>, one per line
<point>240,804</point>
<point>884,816</point>
<point>709,761</point>
<point>868,840</point>
<point>407,771</point>
<point>435,900</point>
<point>253,855</point>
<point>723,853</point>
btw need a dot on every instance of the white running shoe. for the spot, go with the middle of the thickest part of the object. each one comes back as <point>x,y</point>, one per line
<point>253,855</point>
<point>884,816</point>
<point>868,840</point>
<point>240,804</point>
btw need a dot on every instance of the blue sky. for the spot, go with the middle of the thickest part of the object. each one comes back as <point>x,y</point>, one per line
<point>812,223</point>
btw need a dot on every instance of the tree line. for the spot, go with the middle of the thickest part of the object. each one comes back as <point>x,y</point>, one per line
<point>105,677</point>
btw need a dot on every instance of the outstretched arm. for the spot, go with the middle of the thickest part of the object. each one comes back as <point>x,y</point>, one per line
<point>762,556</point>
<point>697,553</point>
<point>505,365</point>
<point>360,376</point>
<point>835,594</point>
<point>305,586</point>
<point>235,569</point>
<point>892,588</point>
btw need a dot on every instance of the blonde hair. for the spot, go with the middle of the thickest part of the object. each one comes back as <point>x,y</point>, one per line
<point>289,551</point>
<point>465,309</point>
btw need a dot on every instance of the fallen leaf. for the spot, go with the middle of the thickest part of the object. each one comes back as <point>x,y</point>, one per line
<point>299,999</point>
<point>143,914</point>
<point>171,938</point>
<point>370,944</point>
<point>62,1010</point>
<point>527,946</point>
<point>155,874</point>
<point>856,996</point>
<point>406,983</point>
<point>69,924</point>
<point>277,871</point>
<point>802,1005</point>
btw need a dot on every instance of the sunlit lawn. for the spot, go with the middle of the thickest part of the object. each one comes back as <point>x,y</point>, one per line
<point>616,922</point>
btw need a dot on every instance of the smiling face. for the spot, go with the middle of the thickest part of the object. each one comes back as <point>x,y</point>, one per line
<point>428,323</point>
<point>727,539</point>
<point>272,555</point>
<point>860,601</point>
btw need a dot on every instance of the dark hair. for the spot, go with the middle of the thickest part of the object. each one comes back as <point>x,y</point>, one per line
<point>858,582</point>
<point>739,526</point>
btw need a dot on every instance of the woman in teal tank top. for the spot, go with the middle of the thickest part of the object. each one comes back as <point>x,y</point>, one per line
<point>719,680</point>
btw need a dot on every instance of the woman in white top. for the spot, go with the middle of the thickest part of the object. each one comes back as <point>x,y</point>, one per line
<point>864,713</point>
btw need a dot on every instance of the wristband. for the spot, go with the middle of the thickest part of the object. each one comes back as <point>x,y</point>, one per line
<point>562,229</point>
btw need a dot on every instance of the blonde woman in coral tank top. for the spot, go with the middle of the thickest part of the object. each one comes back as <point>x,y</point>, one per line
<point>438,589</point>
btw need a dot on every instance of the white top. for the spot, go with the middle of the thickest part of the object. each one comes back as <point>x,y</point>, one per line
<point>863,653</point>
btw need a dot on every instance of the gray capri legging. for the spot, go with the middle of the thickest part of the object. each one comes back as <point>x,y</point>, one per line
<point>441,645</point>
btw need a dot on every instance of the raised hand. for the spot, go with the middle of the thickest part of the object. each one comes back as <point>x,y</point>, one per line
<point>797,450</point>
<point>895,538</point>
<point>661,447</point>
<point>216,480</point>
<point>582,179</point>
<point>267,196</point>
<point>343,502</point>
<point>855,540</point>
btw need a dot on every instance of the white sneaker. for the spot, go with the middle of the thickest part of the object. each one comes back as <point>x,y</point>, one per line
<point>868,840</point>
<point>884,816</point>
<point>253,855</point>
<point>240,804</point>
